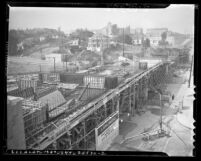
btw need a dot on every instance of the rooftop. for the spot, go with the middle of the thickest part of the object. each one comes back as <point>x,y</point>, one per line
<point>26,93</point>
<point>53,99</point>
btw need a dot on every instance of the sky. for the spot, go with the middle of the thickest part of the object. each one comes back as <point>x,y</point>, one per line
<point>177,18</point>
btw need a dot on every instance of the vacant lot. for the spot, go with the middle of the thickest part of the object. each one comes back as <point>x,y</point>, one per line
<point>27,64</point>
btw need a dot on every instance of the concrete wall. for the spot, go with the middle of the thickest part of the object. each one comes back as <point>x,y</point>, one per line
<point>15,124</point>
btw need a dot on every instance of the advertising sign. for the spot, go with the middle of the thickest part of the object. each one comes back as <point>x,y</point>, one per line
<point>107,131</point>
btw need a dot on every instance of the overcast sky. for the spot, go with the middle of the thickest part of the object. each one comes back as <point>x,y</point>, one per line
<point>178,18</point>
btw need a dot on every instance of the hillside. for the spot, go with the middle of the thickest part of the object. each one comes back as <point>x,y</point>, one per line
<point>24,42</point>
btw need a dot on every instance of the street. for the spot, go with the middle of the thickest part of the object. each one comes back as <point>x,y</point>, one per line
<point>179,124</point>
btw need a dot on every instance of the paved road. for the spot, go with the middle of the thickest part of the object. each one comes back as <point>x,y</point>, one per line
<point>179,144</point>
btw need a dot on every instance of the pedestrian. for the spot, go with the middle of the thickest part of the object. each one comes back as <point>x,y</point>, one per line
<point>173,97</point>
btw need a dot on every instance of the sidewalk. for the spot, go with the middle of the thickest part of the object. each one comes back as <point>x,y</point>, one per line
<point>186,117</point>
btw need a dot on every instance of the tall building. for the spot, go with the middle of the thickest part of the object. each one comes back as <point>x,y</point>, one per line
<point>15,124</point>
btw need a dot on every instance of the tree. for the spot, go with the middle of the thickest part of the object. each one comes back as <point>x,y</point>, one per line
<point>13,40</point>
<point>164,36</point>
<point>146,43</point>
<point>163,41</point>
<point>81,34</point>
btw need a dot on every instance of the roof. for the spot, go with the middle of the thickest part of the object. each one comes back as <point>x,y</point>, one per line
<point>44,90</point>
<point>26,93</point>
<point>67,85</point>
<point>53,99</point>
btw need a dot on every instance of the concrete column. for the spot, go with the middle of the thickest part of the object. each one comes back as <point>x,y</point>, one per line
<point>85,141</point>
<point>105,110</point>
<point>145,90</point>
<point>130,108</point>
<point>54,144</point>
<point>167,69</point>
<point>112,104</point>
<point>118,99</point>
<point>137,97</point>
<point>133,109</point>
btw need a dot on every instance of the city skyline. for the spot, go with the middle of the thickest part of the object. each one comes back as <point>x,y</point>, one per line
<point>177,18</point>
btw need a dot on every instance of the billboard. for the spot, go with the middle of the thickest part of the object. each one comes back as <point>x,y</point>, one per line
<point>107,131</point>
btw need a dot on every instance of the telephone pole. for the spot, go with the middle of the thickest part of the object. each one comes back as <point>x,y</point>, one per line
<point>123,42</point>
<point>54,65</point>
<point>40,68</point>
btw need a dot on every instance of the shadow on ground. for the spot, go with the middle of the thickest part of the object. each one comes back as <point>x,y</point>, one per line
<point>185,107</point>
<point>120,147</point>
<point>165,111</point>
<point>126,127</point>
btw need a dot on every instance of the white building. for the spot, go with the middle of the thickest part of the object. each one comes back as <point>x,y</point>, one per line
<point>137,40</point>
<point>154,40</point>
<point>20,46</point>
<point>41,38</point>
<point>98,41</point>
<point>171,40</point>
<point>74,42</point>
<point>154,35</point>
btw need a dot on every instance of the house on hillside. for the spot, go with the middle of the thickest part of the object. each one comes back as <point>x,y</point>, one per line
<point>98,42</point>
<point>112,30</point>
<point>20,46</point>
<point>41,38</point>
<point>137,39</point>
<point>154,35</point>
<point>74,42</point>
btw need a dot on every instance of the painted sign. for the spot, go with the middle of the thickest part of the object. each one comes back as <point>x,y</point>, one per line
<point>107,131</point>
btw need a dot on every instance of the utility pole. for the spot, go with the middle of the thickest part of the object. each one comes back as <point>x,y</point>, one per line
<point>107,38</point>
<point>101,50</point>
<point>54,65</point>
<point>123,42</point>
<point>41,53</point>
<point>40,68</point>
<point>66,65</point>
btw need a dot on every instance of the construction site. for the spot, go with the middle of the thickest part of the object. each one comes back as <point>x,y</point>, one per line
<point>86,109</point>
